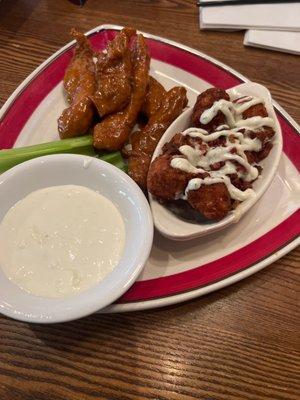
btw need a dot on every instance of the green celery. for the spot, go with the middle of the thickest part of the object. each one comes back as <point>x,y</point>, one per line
<point>79,145</point>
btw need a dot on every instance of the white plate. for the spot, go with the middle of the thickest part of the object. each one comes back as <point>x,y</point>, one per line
<point>172,227</point>
<point>176,271</point>
<point>112,183</point>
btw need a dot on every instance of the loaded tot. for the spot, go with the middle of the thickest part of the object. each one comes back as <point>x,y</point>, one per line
<point>211,166</point>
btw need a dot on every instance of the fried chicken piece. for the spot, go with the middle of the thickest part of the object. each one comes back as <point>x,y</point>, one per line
<point>163,181</point>
<point>154,98</point>
<point>114,130</point>
<point>153,101</point>
<point>113,75</point>
<point>138,166</point>
<point>172,147</point>
<point>145,141</point>
<point>204,101</point>
<point>79,83</point>
<point>212,201</point>
<point>264,135</point>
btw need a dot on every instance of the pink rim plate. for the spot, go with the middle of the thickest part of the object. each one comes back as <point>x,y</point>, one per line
<point>199,280</point>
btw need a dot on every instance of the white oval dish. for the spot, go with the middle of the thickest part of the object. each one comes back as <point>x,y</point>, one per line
<point>171,226</point>
<point>112,183</point>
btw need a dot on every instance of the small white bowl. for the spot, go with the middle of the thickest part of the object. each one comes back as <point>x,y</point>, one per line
<point>171,226</point>
<point>112,183</point>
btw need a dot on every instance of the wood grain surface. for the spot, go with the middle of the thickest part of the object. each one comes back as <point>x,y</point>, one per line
<point>241,342</point>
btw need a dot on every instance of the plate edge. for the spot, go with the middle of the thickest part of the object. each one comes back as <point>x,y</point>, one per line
<point>182,297</point>
<point>143,305</point>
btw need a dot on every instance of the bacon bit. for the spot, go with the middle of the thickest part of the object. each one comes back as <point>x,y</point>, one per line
<point>201,175</point>
<point>239,167</point>
<point>238,182</point>
<point>221,141</point>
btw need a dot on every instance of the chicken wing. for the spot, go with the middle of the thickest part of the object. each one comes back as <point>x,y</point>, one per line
<point>113,75</point>
<point>154,97</point>
<point>114,130</point>
<point>144,142</point>
<point>79,83</point>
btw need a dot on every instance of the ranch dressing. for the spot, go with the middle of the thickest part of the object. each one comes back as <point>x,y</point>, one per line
<point>61,240</point>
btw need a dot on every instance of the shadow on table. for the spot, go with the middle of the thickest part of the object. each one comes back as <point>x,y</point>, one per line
<point>18,12</point>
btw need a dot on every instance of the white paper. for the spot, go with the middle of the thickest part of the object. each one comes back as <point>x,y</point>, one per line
<point>275,40</point>
<point>281,16</point>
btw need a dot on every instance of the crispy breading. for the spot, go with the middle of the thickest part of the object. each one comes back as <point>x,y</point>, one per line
<point>204,101</point>
<point>165,182</point>
<point>212,201</point>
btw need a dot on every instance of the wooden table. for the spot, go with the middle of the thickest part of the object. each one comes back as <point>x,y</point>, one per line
<point>241,342</point>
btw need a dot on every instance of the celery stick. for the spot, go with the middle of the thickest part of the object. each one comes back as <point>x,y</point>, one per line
<point>79,145</point>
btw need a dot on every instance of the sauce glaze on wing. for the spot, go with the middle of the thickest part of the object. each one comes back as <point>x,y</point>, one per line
<point>144,142</point>
<point>154,97</point>
<point>114,130</point>
<point>79,83</point>
<point>81,63</point>
<point>113,75</point>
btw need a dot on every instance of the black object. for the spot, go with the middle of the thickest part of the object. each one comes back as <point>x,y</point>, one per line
<point>78,2</point>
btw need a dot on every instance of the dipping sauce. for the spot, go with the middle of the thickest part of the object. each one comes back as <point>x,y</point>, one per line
<point>61,240</point>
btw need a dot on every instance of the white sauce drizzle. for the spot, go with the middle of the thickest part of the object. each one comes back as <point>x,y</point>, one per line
<point>197,162</point>
<point>233,113</point>
<point>225,106</point>
<point>255,123</point>
<point>222,127</point>
<point>184,165</point>
<point>241,107</point>
<point>235,193</point>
